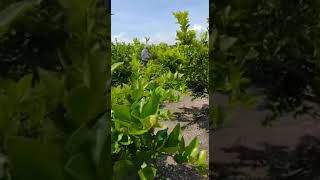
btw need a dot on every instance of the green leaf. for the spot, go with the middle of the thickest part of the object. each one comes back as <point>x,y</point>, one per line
<point>54,86</point>
<point>5,112</point>
<point>201,165</point>
<point>86,73</point>
<point>77,104</point>
<point>101,149</point>
<point>143,156</point>
<point>136,94</point>
<point>147,140</point>
<point>147,173</point>
<point>138,131</point>
<point>80,167</point>
<point>125,140</point>
<point>165,114</point>
<point>115,66</point>
<point>141,106</point>
<point>218,116</point>
<point>77,141</point>
<point>182,144</point>
<point>170,150</point>
<point>76,11</point>
<point>227,42</point>
<point>150,122</point>
<point>123,170</point>
<point>123,117</point>
<point>123,123</point>
<point>152,105</point>
<point>3,169</point>
<point>122,112</point>
<point>82,104</point>
<point>175,136</point>
<point>172,144</point>
<point>22,87</point>
<point>98,74</point>
<point>161,138</point>
<point>192,149</point>
<point>32,159</point>
<point>202,157</point>
<point>15,11</point>
<point>38,112</point>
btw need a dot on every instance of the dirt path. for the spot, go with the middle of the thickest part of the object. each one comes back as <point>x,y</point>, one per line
<point>244,148</point>
<point>193,118</point>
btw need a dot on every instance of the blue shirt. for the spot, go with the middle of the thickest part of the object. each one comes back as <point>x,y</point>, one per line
<point>144,55</point>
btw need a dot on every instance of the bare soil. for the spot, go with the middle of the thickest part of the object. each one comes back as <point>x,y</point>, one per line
<point>244,149</point>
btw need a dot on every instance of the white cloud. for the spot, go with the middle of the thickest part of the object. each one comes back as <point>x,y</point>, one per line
<point>198,28</point>
<point>122,37</point>
<point>169,38</point>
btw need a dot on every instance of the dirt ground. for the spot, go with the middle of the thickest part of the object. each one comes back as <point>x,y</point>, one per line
<point>244,149</point>
<point>193,118</point>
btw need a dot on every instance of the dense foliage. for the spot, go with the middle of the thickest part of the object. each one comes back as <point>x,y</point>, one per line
<point>55,91</point>
<point>53,97</point>
<point>189,56</point>
<point>136,146</point>
<point>29,44</point>
<point>138,137</point>
<point>226,71</point>
<point>277,45</point>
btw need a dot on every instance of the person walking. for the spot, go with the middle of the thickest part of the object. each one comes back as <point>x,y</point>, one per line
<point>145,56</point>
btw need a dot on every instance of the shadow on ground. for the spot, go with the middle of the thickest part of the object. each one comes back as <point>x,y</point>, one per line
<point>198,116</point>
<point>276,162</point>
<point>176,172</point>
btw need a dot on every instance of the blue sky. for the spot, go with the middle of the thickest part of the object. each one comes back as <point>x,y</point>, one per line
<point>153,18</point>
